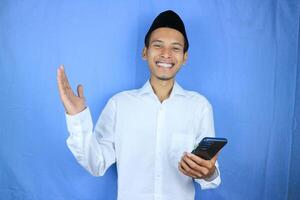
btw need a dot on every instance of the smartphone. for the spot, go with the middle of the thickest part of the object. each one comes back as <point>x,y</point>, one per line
<point>209,147</point>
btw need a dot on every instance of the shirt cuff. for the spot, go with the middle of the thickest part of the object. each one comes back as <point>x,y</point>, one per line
<point>80,122</point>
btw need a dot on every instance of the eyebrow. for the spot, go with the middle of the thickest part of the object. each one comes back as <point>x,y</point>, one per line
<point>173,43</point>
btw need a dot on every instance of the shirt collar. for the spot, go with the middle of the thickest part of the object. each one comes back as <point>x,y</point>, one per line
<point>177,89</point>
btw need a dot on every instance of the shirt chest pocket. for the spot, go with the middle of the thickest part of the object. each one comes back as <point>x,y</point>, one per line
<point>180,143</point>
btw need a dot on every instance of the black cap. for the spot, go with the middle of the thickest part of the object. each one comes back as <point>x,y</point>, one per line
<point>168,19</point>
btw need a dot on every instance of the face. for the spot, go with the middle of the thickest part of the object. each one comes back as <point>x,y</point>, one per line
<point>165,54</point>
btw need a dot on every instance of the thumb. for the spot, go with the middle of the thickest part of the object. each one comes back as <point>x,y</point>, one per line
<point>215,157</point>
<point>80,90</point>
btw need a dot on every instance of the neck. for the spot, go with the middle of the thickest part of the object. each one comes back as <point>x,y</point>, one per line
<point>162,88</point>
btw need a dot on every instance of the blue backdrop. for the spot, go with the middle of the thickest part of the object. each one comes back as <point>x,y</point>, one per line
<point>243,56</point>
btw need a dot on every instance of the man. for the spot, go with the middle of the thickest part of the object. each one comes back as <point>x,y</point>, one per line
<point>150,131</point>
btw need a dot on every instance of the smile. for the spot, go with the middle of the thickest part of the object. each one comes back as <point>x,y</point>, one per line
<point>164,64</point>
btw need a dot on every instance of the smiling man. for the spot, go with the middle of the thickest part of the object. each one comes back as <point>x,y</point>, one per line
<point>147,132</point>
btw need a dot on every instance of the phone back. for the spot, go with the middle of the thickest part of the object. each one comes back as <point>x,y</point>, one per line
<point>209,147</point>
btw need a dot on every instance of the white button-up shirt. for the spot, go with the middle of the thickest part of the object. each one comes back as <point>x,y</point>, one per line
<point>146,139</point>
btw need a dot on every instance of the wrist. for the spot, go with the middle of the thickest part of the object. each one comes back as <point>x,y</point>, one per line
<point>213,176</point>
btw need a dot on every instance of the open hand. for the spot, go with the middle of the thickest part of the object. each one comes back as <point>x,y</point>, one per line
<point>73,104</point>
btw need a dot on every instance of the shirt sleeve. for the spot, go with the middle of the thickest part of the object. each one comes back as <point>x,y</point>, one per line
<point>206,129</point>
<point>94,150</point>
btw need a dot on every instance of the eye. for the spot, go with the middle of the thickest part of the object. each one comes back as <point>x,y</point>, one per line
<point>176,49</point>
<point>157,45</point>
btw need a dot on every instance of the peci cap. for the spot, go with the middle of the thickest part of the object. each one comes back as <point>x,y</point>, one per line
<point>168,19</point>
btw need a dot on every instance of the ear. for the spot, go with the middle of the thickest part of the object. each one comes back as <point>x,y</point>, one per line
<point>144,53</point>
<point>185,57</point>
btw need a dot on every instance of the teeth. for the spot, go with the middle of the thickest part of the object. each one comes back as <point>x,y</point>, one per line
<point>165,65</point>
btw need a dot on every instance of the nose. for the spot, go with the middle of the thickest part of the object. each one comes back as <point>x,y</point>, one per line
<point>166,52</point>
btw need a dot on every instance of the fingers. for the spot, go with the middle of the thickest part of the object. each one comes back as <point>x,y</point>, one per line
<point>62,80</point>
<point>184,172</point>
<point>205,163</point>
<point>196,167</point>
<point>187,170</point>
<point>197,159</point>
<point>80,90</point>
